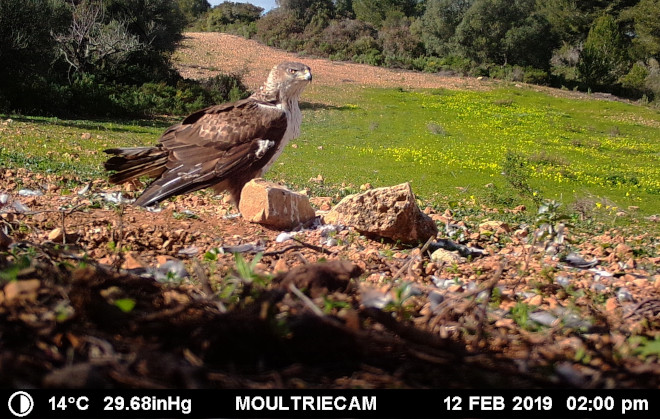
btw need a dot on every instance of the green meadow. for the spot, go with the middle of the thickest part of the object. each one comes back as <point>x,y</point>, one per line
<point>450,145</point>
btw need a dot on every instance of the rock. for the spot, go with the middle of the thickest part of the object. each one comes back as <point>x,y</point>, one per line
<point>85,136</point>
<point>56,235</point>
<point>495,226</point>
<point>389,212</point>
<point>273,205</point>
<point>445,256</point>
<point>323,203</point>
<point>611,304</point>
<point>536,300</point>
<point>23,290</point>
<point>132,261</point>
<point>622,250</point>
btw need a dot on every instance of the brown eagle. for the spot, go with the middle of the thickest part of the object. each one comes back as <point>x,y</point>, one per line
<point>223,146</point>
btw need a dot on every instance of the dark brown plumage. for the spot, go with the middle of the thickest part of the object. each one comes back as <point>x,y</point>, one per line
<point>223,146</point>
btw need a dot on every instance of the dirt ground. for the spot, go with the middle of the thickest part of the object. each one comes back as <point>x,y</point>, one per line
<point>97,293</point>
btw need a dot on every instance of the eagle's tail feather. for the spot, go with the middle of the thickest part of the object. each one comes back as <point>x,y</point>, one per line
<point>132,163</point>
<point>166,188</point>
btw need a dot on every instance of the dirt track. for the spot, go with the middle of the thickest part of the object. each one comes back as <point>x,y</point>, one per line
<point>204,54</point>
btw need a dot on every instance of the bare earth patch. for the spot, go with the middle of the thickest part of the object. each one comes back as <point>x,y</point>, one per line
<point>206,54</point>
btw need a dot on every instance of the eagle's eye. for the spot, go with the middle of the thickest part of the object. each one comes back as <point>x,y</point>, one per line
<point>291,70</point>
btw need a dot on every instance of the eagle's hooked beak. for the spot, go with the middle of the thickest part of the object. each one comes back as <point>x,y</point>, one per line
<point>306,75</point>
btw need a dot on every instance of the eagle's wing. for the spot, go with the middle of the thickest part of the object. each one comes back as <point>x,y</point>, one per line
<point>214,144</point>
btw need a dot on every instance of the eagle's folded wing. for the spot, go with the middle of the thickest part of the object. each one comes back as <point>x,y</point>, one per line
<point>215,144</point>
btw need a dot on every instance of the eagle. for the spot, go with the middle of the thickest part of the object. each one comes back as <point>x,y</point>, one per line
<point>222,146</point>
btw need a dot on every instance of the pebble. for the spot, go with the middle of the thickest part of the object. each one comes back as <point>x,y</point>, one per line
<point>543,317</point>
<point>611,304</point>
<point>624,295</point>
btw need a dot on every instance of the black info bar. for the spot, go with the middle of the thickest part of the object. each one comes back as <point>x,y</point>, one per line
<point>329,403</point>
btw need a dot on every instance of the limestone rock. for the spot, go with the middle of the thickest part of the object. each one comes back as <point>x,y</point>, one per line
<point>446,256</point>
<point>273,205</point>
<point>389,212</point>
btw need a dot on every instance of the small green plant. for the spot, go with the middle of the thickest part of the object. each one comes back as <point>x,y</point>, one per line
<point>520,314</point>
<point>550,226</point>
<point>517,172</point>
<point>330,304</point>
<point>246,271</point>
<point>645,347</point>
<point>125,304</point>
<point>400,303</point>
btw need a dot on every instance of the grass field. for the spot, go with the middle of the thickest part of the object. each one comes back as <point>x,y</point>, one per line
<point>448,144</point>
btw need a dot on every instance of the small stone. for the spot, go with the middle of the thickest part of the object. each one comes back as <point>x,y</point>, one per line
<point>366,186</point>
<point>495,226</point>
<point>455,288</point>
<point>56,235</point>
<point>431,268</point>
<point>23,289</point>
<point>280,266</point>
<point>86,136</point>
<point>622,249</point>
<point>273,205</point>
<point>611,304</point>
<point>624,295</point>
<point>641,282</point>
<point>162,259</point>
<point>446,256</point>
<point>536,300</point>
<point>131,261</point>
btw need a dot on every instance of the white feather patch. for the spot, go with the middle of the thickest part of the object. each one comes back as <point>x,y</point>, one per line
<point>264,146</point>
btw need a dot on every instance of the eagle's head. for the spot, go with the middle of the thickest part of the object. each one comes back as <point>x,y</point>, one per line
<point>285,82</point>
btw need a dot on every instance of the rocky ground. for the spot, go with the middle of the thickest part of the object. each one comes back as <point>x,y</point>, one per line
<point>97,293</point>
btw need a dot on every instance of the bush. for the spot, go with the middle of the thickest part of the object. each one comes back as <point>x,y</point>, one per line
<point>280,29</point>
<point>349,38</point>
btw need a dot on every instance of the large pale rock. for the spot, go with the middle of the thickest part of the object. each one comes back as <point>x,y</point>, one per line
<point>384,212</point>
<point>273,205</point>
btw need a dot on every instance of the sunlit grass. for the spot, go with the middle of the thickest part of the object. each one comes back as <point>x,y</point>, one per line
<point>575,147</point>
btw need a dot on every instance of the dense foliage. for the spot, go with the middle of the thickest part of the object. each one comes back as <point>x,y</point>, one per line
<point>600,45</point>
<point>92,57</point>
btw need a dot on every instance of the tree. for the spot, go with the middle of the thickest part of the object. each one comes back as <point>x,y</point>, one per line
<point>645,21</point>
<point>397,39</point>
<point>193,9</point>
<point>375,11</point>
<point>603,59</point>
<point>27,50</point>
<point>306,10</point>
<point>505,32</point>
<point>90,43</point>
<point>229,13</point>
<point>344,9</point>
<point>438,23</point>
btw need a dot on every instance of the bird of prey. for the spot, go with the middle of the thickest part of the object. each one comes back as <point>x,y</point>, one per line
<point>223,146</point>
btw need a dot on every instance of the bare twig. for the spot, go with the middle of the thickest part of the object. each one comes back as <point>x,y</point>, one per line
<point>313,247</point>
